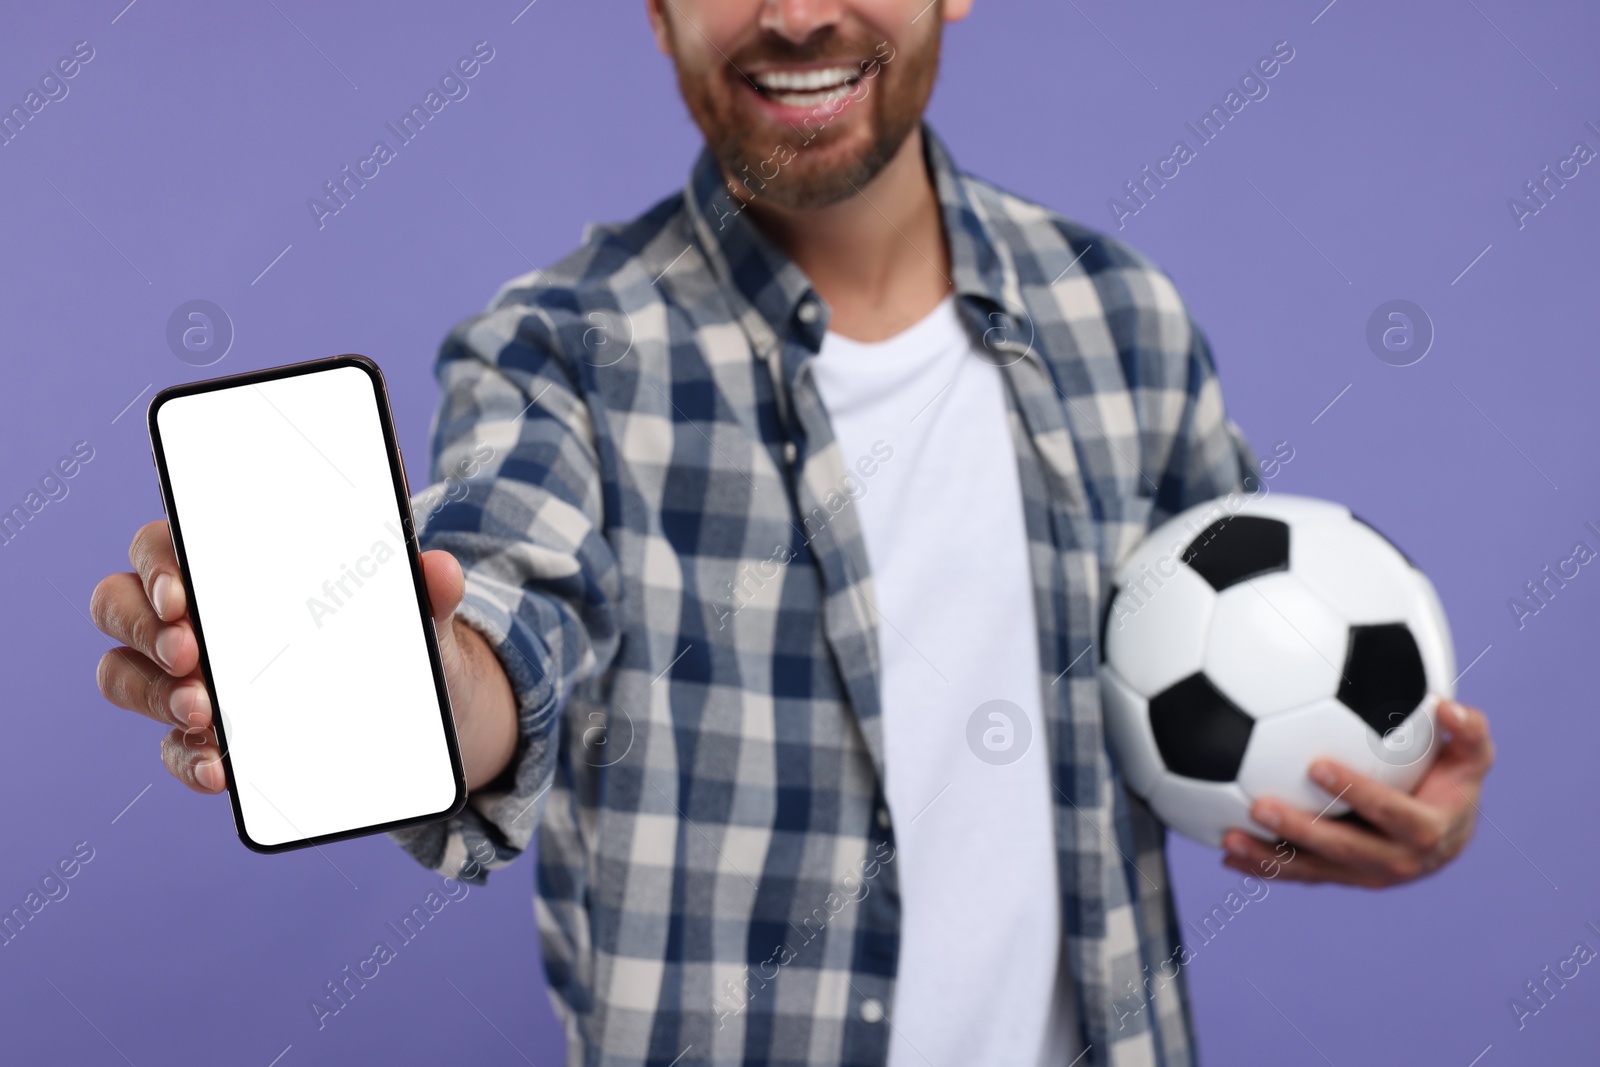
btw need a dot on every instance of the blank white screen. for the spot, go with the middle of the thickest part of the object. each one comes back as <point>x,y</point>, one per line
<point>287,510</point>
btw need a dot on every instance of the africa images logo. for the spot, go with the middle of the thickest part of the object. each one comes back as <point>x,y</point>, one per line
<point>452,87</point>
<point>1253,87</point>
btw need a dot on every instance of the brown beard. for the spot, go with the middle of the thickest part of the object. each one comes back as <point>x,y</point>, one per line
<point>800,168</point>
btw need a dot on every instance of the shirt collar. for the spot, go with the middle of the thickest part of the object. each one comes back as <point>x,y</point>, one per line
<point>775,291</point>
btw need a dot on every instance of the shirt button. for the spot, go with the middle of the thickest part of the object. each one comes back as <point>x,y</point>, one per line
<point>809,312</point>
<point>883,818</point>
<point>789,452</point>
<point>872,1010</point>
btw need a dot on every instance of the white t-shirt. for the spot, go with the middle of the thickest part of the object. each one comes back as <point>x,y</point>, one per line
<point>982,976</point>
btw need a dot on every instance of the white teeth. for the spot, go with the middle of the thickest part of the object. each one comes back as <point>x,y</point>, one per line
<point>805,81</point>
<point>810,100</point>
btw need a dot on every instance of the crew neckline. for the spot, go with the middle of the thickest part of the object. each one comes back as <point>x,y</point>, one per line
<point>936,321</point>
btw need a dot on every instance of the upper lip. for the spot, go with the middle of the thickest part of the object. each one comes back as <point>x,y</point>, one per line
<point>804,79</point>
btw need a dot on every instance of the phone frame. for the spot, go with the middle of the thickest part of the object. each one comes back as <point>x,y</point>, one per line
<point>402,492</point>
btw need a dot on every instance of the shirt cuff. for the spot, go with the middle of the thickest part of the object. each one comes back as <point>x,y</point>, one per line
<point>497,824</point>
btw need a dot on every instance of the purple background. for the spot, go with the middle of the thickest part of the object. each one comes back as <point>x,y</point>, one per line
<point>1392,141</point>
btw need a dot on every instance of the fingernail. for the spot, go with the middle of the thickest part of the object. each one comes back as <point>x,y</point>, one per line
<point>191,706</point>
<point>163,597</point>
<point>1234,846</point>
<point>1267,815</point>
<point>208,774</point>
<point>1322,774</point>
<point>1452,711</point>
<point>168,643</point>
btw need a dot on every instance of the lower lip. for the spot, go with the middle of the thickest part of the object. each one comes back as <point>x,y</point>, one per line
<point>826,112</point>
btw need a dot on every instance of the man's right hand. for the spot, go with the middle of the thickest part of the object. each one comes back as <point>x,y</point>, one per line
<point>157,671</point>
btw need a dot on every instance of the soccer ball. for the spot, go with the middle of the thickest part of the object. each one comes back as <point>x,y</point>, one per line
<point>1246,638</point>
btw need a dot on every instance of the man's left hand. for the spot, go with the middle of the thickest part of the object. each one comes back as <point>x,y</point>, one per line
<point>1409,835</point>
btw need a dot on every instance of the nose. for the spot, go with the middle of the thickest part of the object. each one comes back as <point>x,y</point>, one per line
<point>800,20</point>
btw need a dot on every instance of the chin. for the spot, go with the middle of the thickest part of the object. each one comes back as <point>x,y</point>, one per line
<point>780,167</point>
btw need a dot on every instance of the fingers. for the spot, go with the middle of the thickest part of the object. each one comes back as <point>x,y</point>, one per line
<point>441,573</point>
<point>1467,742</point>
<point>1400,836</point>
<point>1250,855</point>
<point>129,680</point>
<point>120,608</point>
<point>192,758</point>
<point>152,558</point>
<point>1399,815</point>
<point>1340,843</point>
<point>155,675</point>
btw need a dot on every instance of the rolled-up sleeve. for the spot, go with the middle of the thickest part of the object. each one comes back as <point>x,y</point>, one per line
<point>516,498</point>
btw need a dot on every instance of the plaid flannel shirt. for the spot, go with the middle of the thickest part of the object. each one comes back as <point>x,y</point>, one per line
<point>633,465</point>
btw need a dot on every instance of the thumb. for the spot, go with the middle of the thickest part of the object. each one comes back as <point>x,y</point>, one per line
<point>1467,743</point>
<point>445,583</point>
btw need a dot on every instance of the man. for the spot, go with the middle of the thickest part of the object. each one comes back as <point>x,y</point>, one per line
<point>777,593</point>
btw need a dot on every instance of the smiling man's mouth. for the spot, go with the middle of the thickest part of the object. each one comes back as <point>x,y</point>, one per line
<point>806,88</point>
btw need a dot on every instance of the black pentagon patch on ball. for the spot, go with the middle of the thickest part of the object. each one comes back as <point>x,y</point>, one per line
<point>1200,733</point>
<point>1383,680</point>
<point>1238,547</point>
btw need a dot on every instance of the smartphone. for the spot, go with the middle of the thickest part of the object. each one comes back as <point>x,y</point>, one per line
<point>291,522</point>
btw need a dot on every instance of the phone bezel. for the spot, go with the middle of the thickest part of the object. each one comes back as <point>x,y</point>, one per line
<point>403,503</point>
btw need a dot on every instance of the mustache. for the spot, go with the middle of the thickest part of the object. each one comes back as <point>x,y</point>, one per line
<point>779,51</point>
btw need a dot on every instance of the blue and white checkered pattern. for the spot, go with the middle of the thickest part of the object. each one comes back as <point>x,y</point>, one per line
<point>661,550</point>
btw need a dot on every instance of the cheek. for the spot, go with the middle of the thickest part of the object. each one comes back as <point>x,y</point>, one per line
<point>893,20</point>
<point>706,30</point>
<point>898,29</point>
